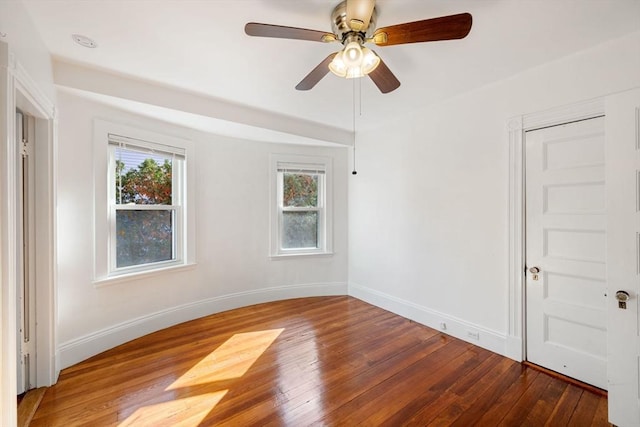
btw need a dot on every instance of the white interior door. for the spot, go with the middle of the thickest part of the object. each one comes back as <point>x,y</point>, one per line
<point>623,255</point>
<point>25,287</point>
<point>566,241</point>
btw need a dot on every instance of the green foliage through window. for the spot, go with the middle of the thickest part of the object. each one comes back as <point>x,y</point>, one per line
<point>147,184</point>
<point>300,226</point>
<point>300,190</point>
<point>143,236</point>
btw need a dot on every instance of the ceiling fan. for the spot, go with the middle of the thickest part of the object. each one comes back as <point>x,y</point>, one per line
<point>353,24</point>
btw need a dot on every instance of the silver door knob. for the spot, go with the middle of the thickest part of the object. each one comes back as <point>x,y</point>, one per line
<point>534,272</point>
<point>622,296</point>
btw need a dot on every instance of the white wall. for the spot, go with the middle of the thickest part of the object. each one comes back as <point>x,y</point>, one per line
<point>26,45</point>
<point>232,227</point>
<point>428,211</point>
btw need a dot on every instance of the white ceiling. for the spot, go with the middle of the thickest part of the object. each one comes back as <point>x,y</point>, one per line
<point>200,46</point>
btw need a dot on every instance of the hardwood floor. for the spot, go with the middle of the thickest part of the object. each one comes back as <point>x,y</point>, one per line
<point>321,361</point>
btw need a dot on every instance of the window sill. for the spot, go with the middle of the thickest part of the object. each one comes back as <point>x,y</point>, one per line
<point>140,275</point>
<point>301,255</point>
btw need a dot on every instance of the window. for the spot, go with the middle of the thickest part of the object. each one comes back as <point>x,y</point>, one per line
<point>145,204</point>
<point>301,219</point>
<point>144,190</point>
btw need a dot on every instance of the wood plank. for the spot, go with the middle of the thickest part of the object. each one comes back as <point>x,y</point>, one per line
<point>565,407</point>
<point>330,360</point>
<point>28,405</point>
<point>585,410</point>
<point>601,415</point>
<point>523,407</point>
<point>567,379</point>
<point>543,408</point>
<point>485,400</point>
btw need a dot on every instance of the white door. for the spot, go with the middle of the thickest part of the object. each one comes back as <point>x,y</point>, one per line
<point>25,287</point>
<point>566,241</point>
<point>623,255</point>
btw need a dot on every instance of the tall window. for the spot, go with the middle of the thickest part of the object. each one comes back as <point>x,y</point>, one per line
<point>302,220</point>
<point>146,187</point>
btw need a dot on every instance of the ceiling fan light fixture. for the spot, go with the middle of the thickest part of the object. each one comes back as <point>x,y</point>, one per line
<point>352,54</point>
<point>354,61</point>
<point>337,65</point>
<point>354,73</point>
<point>370,61</point>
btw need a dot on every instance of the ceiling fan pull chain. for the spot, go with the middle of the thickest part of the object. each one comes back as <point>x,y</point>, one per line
<point>360,96</point>
<point>354,125</point>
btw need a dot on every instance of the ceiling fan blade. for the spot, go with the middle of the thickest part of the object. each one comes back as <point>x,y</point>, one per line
<point>316,74</point>
<point>384,78</point>
<point>281,32</point>
<point>359,13</point>
<point>429,30</point>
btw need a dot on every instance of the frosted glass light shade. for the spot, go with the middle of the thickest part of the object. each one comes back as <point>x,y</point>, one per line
<point>354,61</point>
<point>370,61</point>
<point>337,65</point>
<point>352,54</point>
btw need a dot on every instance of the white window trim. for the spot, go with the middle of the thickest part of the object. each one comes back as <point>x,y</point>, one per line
<point>104,270</point>
<point>325,205</point>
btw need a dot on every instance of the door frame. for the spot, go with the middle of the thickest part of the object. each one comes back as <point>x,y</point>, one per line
<point>19,91</point>
<point>517,127</point>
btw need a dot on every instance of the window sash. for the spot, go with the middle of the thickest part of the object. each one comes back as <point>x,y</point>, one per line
<point>301,209</point>
<point>319,209</point>
<point>318,233</point>
<point>132,207</point>
<point>177,188</point>
<point>176,237</point>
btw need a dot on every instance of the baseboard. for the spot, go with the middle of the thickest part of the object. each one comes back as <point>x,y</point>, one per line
<point>461,329</point>
<point>79,349</point>
<point>515,348</point>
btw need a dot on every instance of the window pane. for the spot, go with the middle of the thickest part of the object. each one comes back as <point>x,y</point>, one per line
<point>300,230</point>
<point>142,178</point>
<point>300,190</point>
<point>143,237</point>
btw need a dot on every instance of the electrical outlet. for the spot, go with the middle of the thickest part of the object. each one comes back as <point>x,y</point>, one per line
<point>474,335</point>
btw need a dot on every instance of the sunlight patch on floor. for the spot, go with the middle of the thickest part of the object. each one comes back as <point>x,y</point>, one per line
<point>189,411</point>
<point>231,360</point>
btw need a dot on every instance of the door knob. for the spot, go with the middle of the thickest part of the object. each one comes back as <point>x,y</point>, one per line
<point>622,297</point>
<point>534,272</point>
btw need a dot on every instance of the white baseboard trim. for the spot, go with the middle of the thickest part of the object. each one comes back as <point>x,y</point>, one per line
<point>79,349</point>
<point>461,329</point>
<point>515,348</point>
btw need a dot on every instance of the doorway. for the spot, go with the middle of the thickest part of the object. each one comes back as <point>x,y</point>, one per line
<point>565,249</point>
<point>20,93</point>
<point>25,254</point>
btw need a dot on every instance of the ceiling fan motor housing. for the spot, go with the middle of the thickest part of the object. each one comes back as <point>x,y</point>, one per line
<point>342,28</point>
